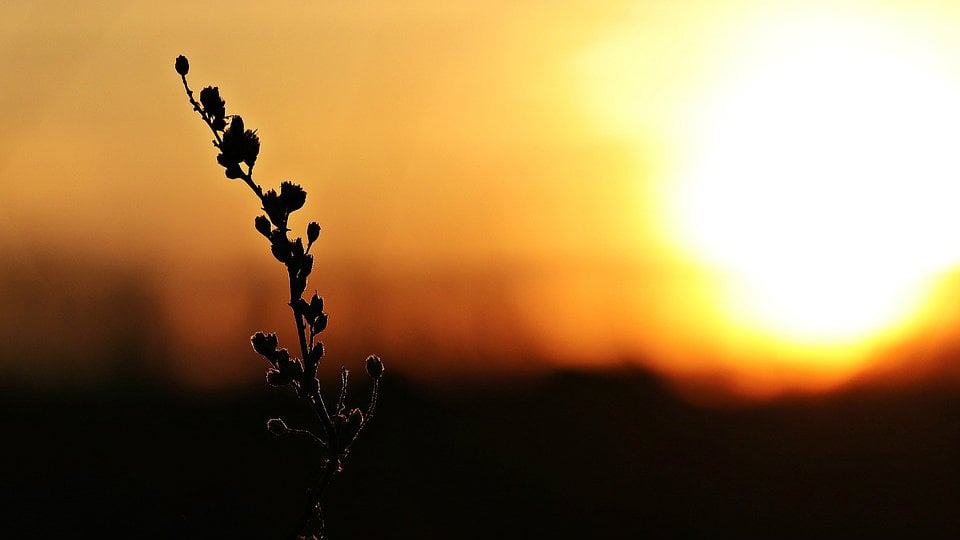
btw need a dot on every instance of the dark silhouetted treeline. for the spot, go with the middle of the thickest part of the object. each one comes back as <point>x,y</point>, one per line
<point>574,455</point>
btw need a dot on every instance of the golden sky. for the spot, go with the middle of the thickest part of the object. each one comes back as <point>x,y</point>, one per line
<point>583,182</point>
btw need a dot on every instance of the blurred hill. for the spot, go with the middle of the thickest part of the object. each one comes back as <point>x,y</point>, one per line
<point>73,319</point>
<point>572,455</point>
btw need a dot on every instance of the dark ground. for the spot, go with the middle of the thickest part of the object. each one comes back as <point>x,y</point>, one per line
<point>571,456</point>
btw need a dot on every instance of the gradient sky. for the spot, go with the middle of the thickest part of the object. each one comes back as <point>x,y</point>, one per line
<point>493,178</point>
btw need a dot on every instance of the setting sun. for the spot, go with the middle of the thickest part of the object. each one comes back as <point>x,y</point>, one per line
<point>805,170</point>
<point>822,178</point>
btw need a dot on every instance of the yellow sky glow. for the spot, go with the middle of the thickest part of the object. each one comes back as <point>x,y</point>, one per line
<point>754,192</point>
<point>813,174</point>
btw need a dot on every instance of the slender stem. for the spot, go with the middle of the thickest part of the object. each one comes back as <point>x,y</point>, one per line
<point>298,318</point>
<point>310,370</point>
<point>374,394</point>
<point>320,408</point>
<point>199,109</point>
<point>247,177</point>
<point>342,400</point>
<point>307,434</point>
<point>373,400</point>
<point>312,525</point>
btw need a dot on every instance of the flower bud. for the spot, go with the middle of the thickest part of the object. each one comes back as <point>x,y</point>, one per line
<point>233,171</point>
<point>293,196</point>
<point>277,426</point>
<point>313,232</point>
<point>250,147</point>
<point>298,249</point>
<point>236,124</point>
<point>275,378</point>
<point>290,368</point>
<point>214,105</point>
<point>280,248</point>
<point>182,65</point>
<point>316,303</point>
<point>265,344</point>
<point>319,324</point>
<point>263,225</point>
<point>275,208</point>
<point>374,367</point>
<point>238,145</point>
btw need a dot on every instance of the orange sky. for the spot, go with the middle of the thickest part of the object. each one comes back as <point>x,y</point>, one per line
<point>493,178</point>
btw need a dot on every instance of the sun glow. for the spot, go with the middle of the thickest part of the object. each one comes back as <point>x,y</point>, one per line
<point>823,179</point>
<point>808,163</point>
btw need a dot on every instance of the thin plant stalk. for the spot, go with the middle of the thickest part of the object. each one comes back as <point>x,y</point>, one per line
<point>339,428</point>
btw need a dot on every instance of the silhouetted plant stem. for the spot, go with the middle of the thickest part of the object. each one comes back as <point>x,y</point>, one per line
<point>340,428</point>
<point>313,526</point>
<point>305,349</point>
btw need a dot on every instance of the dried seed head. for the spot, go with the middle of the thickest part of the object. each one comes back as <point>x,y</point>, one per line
<point>293,196</point>
<point>263,225</point>
<point>374,367</point>
<point>313,232</point>
<point>265,344</point>
<point>274,208</point>
<point>251,147</point>
<point>238,145</point>
<point>214,105</point>
<point>233,171</point>
<point>182,65</point>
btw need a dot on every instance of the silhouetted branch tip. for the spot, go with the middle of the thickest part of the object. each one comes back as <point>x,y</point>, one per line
<point>277,426</point>
<point>237,145</point>
<point>182,65</point>
<point>374,367</point>
<point>313,232</point>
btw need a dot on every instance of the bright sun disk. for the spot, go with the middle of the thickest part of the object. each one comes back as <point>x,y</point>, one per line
<point>823,179</point>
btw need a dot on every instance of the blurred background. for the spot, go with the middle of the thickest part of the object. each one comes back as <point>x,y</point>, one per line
<point>635,268</point>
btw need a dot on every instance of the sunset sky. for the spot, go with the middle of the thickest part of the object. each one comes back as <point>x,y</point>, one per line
<point>756,195</point>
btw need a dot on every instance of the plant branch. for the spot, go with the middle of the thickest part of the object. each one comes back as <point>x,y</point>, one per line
<point>238,146</point>
<point>197,107</point>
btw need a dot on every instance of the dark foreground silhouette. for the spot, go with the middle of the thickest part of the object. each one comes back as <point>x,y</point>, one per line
<point>570,456</point>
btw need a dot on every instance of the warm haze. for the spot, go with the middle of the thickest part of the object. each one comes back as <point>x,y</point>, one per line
<point>756,194</point>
